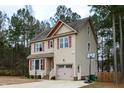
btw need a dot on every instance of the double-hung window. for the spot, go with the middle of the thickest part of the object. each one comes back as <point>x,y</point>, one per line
<point>32,64</point>
<point>51,43</point>
<point>61,43</point>
<point>35,64</point>
<point>64,42</point>
<point>38,47</point>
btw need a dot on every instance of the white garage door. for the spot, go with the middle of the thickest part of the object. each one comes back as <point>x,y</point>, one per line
<point>64,72</point>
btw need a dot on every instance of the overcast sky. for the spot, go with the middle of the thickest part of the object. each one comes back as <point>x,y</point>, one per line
<point>44,12</point>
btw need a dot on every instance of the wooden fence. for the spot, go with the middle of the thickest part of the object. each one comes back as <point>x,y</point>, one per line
<point>108,76</point>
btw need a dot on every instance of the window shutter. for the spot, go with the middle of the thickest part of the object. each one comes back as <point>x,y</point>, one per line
<point>43,46</point>
<point>70,41</point>
<point>48,44</point>
<point>53,43</point>
<point>58,43</point>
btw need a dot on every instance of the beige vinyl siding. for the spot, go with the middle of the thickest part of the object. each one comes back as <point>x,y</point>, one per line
<point>82,40</point>
<point>68,54</point>
<point>64,29</point>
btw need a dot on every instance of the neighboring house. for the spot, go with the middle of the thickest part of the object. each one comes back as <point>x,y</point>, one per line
<point>62,51</point>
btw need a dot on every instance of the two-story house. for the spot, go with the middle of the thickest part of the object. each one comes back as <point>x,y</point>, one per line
<point>62,51</point>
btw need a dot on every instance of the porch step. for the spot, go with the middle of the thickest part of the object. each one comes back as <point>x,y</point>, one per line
<point>52,74</point>
<point>46,77</point>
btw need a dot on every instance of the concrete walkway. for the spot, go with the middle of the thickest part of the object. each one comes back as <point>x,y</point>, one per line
<point>48,84</point>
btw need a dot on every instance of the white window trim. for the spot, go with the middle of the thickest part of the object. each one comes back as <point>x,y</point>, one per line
<point>61,42</point>
<point>50,43</point>
<point>34,64</point>
<point>67,41</point>
<point>37,47</point>
<point>64,41</point>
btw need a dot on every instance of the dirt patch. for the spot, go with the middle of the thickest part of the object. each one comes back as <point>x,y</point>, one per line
<point>7,80</point>
<point>104,85</point>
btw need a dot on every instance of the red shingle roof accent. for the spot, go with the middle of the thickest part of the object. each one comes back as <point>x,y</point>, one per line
<point>54,29</point>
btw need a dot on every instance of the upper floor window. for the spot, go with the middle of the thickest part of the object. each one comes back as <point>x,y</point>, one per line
<point>88,31</point>
<point>64,42</point>
<point>50,44</point>
<point>61,43</point>
<point>88,46</point>
<point>38,47</point>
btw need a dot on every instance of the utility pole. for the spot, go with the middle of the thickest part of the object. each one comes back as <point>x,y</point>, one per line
<point>114,48</point>
<point>121,47</point>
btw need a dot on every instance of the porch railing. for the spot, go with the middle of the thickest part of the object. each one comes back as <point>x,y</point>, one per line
<point>43,74</point>
<point>52,73</point>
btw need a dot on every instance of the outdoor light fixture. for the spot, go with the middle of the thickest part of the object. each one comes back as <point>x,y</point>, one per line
<point>90,56</point>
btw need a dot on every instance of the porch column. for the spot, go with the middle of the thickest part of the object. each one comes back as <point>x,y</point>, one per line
<point>45,63</point>
<point>29,65</point>
<point>40,64</point>
<point>35,72</point>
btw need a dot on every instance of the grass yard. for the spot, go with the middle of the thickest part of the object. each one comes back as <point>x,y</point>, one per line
<point>7,80</point>
<point>104,85</point>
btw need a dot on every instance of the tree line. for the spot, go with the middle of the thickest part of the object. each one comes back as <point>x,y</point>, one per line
<point>109,20</point>
<point>17,31</point>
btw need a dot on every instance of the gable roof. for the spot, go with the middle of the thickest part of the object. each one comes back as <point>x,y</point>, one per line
<point>73,25</point>
<point>76,24</point>
<point>56,27</point>
<point>41,35</point>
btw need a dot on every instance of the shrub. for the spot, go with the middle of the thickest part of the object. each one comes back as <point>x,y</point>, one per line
<point>32,76</point>
<point>39,77</point>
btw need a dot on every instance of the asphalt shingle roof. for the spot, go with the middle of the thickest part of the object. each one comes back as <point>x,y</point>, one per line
<point>41,35</point>
<point>75,25</point>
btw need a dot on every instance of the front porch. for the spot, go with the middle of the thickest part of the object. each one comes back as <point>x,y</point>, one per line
<point>49,67</point>
<point>41,66</point>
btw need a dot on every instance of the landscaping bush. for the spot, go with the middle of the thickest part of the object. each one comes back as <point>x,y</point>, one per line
<point>39,77</point>
<point>32,76</point>
<point>8,73</point>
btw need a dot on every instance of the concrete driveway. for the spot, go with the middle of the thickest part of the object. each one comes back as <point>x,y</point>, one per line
<point>48,84</point>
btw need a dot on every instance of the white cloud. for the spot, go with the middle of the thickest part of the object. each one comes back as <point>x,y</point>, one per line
<point>44,12</point>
